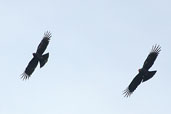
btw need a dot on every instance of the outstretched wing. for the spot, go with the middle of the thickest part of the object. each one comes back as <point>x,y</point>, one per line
<point>152,57</point>
<point>30,68</point>
<point>133,85</point>
<point>44,43</point>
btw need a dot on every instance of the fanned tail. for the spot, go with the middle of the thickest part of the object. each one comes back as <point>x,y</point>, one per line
<point>44,60</point>
<point>149,75</point>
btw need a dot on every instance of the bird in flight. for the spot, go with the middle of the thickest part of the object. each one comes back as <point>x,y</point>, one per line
<point>38,57</point>
<point>144,73</point>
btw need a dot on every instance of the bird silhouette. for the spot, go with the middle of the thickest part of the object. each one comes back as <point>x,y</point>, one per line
<point>38,57</point>
<point>144,73</point>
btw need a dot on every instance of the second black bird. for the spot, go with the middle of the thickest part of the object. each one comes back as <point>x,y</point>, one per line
<point>144,73</point>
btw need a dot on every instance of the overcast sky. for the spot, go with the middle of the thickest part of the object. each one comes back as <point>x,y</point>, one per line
<point>96,49</point>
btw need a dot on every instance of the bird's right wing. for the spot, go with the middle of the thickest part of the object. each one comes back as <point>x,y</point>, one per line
<point>44,43</point>
<point>152,57</point>
<point>30,68</point>
<point>133,85</point>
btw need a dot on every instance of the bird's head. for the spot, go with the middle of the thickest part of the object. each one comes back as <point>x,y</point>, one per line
<point>34,54</point>
<point>139,70</point>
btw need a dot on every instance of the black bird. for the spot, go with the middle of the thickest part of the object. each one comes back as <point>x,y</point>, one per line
<point>144,74</point>
<point>38,56</point>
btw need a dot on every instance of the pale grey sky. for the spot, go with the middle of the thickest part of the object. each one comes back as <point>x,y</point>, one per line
<point>96,49</point>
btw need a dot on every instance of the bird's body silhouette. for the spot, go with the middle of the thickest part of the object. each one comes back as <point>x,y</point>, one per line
<point>38,57</point>
<point>144,73</point>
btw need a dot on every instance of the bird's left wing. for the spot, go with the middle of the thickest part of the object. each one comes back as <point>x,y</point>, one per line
<point>152,57</point>
<point>30,68</point>
<point>133,85</point>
